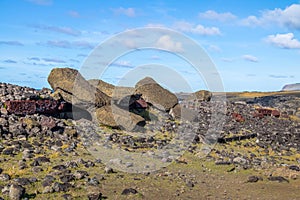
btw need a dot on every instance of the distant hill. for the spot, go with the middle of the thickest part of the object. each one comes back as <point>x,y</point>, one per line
<point>291,87</point>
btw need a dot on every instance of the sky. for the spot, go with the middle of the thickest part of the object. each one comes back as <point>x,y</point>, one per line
<point>253,45</point>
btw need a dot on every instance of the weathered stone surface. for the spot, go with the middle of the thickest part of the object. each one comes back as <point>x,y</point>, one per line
<point>145,81</point>
<point>106,88</point>
<point>254,179</point>
<point>76,89</point>
<point>279,179</point>
<point>118,117</point>
<point>16,192</point>
<point>183,114</point>
<point>29,107</point>
<point>128,191</point>
<point>156,95</point>
<point>201,95</point>
<point>238,117</point>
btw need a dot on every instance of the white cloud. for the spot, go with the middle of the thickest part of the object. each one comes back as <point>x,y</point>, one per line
<point>165,42</point>
<point>288,17</point>
<point>286,41</point>
<point>196,29</point>
<point>53,60</point>
<point>68,45</point>
<point>74,14</point>
<point>214,48</point>
<point>250,58</point>
<point>13,43</point>
<point>130,12</point>
<point>213,15</point>
<point>123,64</point>
<point>58,29</point>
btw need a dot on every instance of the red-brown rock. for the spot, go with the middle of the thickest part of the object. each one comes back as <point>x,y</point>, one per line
<point>238,117</point>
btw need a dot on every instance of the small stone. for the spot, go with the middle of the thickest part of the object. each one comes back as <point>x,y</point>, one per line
<point>67,196</point>
<point>294,167</point>
<point>253,179</point>
<point>240,160</point>
<point>42,159</point>
<point>222,162</point>
<point>190,184</point>
<point>4,177</point>
<point>108,170</point>
<point>36,169</point>
<point>8,151</point>
<point>95,196</point>
<point>22,181</point>
<point>71,164</point>
<point>59,167</point>
<point>67,178</point>
<point>280,179</point>
<point>48,180</point>
<point>61,187</point>
<point>128,191</point>
<point>80,174</point>
<point>16,192</point>
<point>5,190</point>
<point>89,164</point>
<point>93,181</point>
<point>129,164</point>
<point>48,189</point>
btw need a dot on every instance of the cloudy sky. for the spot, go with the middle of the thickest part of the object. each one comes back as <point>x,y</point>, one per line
<point>254,45</point>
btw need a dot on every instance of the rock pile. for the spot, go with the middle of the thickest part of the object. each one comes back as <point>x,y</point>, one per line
<point>148,106</point>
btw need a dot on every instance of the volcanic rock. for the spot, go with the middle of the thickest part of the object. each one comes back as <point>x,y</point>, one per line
<point>118,117</point>
<point>75,89</point>
<point>106,88</point>
<point>16,192</point>
<point>156,95</point>
<point>128,191</point>
<point>253,179</point>
<point>201,95</point>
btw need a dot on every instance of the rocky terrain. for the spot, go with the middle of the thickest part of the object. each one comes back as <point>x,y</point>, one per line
<point>54,142</point>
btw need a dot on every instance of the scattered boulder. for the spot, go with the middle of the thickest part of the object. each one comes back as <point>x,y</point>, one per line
<point>119,118</point>
<point>75,89</point>
<point>156,95</point>
<point>201,95</point>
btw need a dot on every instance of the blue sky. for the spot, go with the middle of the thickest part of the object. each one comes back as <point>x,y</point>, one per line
<point>255,45</point>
